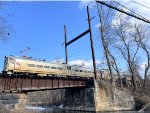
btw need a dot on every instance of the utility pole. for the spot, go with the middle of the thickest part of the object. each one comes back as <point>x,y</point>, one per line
<point>66,52</point>
<point>80,36</point>
<point>92,46</point>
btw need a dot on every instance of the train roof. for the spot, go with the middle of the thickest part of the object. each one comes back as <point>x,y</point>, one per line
<point>31,59</point>
<point>37,60</point>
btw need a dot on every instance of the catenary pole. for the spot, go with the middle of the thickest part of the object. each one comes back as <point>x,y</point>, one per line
<point>92,45</point>
<point>66,51</point>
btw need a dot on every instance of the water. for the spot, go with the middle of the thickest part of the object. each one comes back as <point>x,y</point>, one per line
<point>58,110</point>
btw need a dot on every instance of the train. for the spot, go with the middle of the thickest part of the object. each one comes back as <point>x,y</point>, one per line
<point>29,66</point>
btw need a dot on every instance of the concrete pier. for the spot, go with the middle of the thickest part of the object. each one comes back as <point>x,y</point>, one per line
<point>99,98</point>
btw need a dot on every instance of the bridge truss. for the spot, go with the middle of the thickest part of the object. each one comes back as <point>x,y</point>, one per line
<point>28,84</point>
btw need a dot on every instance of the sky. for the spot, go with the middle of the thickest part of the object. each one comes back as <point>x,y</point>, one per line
<point>40,27</point>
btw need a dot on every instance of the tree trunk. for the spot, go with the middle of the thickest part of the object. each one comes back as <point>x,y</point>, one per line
<point>105,45</point>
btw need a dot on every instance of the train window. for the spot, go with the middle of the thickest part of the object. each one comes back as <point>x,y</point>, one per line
<point>60,68</point>
<point>89,71</point>
<point>69,67</point>
<point>81,70</point>
<point>39,66</point>
<point>47,67</point>
<point>31,65</point>
<point>53,67</point>
<point>76,70</point>
<point>85,71</point>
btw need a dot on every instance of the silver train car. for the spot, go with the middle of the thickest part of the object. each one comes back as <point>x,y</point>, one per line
<point>18,65</point>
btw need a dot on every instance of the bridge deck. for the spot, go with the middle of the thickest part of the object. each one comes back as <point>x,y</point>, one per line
<point>19,84</point>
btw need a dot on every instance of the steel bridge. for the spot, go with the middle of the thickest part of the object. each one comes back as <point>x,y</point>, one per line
<point>27,84</point>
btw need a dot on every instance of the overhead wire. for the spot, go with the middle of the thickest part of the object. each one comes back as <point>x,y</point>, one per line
<point>36,49</point>
<point>139,17</point>
<point>51,53</point>
<point>129,9</point>
<point>133,11</point>
<point>141,4</point>
<point>31,47</point>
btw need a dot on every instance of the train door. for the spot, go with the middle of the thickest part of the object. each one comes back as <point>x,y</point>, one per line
<point>69,70</point>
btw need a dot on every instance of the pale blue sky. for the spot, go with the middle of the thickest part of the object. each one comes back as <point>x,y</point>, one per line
<point>39,25</point>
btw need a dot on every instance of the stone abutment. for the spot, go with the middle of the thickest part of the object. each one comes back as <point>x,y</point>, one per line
<point>99,98</point>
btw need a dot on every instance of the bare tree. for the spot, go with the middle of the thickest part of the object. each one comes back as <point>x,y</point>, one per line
<point>142,38</point>
<point>5,28</point>
<point>125,44</point>
<point>104,31</point>
<point>115,67</point>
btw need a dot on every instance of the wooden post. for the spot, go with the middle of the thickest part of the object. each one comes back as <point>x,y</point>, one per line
<point>66,52</point>
<point>92,46</point>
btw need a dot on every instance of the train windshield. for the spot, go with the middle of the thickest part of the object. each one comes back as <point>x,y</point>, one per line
<point>5,63</point>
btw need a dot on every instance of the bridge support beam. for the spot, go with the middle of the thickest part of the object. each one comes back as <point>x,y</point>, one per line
<point>99,98</point>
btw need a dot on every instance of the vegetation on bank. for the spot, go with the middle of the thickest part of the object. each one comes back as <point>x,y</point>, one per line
<point>129,38</point>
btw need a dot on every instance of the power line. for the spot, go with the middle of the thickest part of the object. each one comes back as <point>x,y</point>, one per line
<point>132,10</point>
<point>35,49</point>
<point>122,11</point>
<point>141,4</point>
<point>128,9</point>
